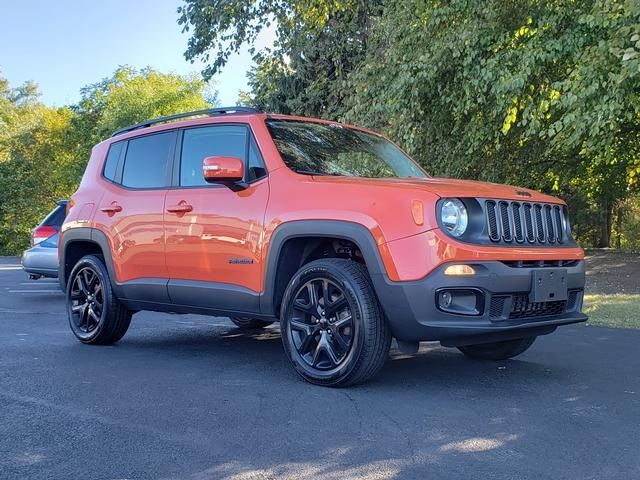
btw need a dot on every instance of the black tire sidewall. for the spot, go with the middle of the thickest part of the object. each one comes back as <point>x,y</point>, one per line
<point>345,369</point>
<point>96,264</point>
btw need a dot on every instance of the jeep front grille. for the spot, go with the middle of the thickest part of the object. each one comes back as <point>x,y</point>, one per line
<point>536,223</point>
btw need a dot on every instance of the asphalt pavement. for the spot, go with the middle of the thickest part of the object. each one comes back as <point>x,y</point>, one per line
<point>193,397</point>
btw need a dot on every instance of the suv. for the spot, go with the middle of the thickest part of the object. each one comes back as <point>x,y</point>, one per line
<point>331,229</point>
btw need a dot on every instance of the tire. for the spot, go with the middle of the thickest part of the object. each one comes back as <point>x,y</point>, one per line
<point>498,350</point>
<point>249,323</point>
<point>337,336</point>
<point>95,315</point>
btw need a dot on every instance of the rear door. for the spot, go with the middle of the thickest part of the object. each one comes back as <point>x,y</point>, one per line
<point>137,174</point>
<point>214,249</point>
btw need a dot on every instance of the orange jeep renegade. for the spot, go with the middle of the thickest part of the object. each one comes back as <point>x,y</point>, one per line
<point>330,229</point>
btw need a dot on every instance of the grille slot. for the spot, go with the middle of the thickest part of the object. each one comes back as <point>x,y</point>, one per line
<point>528,221</point>
<point>517,222</point>
<point>492,221</point>
<point>497,306</point>
<point>559,221</point>
<point>539,263</point>
<point>523,308</point>
<point>525,222</point>
<point>504,222</point>
<point>540,233</point>
<point>572,301</point>
<point>551,233</point>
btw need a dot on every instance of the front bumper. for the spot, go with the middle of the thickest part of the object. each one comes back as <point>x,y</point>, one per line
<point>505,313</point>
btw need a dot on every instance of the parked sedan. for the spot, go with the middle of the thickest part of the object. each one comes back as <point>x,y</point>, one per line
<point>41,260</point>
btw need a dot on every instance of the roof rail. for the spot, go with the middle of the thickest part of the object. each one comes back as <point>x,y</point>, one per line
<point>209,111</point>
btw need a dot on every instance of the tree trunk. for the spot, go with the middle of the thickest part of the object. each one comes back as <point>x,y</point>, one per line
<point>619,219</point>
<point>606,212</point>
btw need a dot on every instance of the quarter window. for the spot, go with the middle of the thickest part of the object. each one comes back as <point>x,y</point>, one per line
<point>147,159</point>
<point>111,163</point>
<point>256,163</point>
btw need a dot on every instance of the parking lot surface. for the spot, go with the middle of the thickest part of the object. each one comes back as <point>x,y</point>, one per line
<point>193,397</point>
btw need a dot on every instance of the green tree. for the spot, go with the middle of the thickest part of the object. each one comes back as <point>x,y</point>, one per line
<point>35,160</point>
<point>44,151</point>
<point>318,44</point>
<point>533,92</point>
<point>538,93</point>
<point>130,96</point>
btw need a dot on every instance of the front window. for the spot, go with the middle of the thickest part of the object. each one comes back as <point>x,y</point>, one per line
<point>331,149</point>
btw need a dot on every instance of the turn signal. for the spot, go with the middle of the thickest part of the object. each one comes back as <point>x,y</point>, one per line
<point>457,270</point>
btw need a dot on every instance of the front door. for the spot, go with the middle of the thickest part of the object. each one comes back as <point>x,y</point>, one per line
<point>214,234</point>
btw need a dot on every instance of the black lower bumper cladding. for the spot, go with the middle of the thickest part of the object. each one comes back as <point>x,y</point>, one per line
<point>507,302</point>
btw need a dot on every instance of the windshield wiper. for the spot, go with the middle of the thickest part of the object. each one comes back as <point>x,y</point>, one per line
<point>321,174</point>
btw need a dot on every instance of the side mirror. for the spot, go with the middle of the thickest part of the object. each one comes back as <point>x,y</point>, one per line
<point>225,170</point>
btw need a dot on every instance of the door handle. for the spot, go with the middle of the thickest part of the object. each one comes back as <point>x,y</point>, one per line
<point>111,209</point>
<point>182,207</point>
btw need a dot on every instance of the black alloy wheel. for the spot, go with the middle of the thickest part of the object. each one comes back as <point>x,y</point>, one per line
<point>96,316</point>
<point>331,323</point>
<point>321,324</point>
<point>87,300</point>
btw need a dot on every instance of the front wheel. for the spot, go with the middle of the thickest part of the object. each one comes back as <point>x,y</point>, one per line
<point>498,350</point>
<point>332,326</point>
<point>96,316</point>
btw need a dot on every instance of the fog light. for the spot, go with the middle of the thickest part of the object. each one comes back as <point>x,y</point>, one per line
<point>445,299</point>
<point>461,301</point>
<point>458,270</point>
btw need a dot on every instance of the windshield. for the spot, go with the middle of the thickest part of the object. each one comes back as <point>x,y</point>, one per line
<point>331,149</point>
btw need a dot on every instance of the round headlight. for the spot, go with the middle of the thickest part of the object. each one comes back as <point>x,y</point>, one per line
<point>454,217</point>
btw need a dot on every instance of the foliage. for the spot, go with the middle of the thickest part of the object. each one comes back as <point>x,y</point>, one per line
<point>130,96</point>
<point>626,230</point>
<point>538,93</point>
<point>318,44</point>
<point>543,94</point>
<point>43,150</point>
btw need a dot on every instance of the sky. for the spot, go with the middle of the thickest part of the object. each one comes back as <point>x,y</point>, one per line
<point>67,44</point>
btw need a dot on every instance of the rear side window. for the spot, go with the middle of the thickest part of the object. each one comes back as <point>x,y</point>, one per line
<point>111,163</point>
<point>215,141</point>
<point>56,216</point>
<point>147,160</point>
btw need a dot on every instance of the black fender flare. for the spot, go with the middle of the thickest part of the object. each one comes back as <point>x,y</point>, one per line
<point>84,234</point>
<point>354,232</point>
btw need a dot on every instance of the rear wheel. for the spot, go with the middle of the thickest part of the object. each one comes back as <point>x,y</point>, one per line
<point>250,323</point>
<point>332,326</point>
<point>498,350</point>
<point>96,316</point>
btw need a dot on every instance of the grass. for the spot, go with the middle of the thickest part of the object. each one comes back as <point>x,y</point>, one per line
<point>619,310</point>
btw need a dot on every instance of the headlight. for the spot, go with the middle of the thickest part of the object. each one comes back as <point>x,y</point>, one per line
<point>454,217</point>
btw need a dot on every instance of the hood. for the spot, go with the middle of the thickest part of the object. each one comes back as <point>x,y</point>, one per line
<point>449,187</point>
